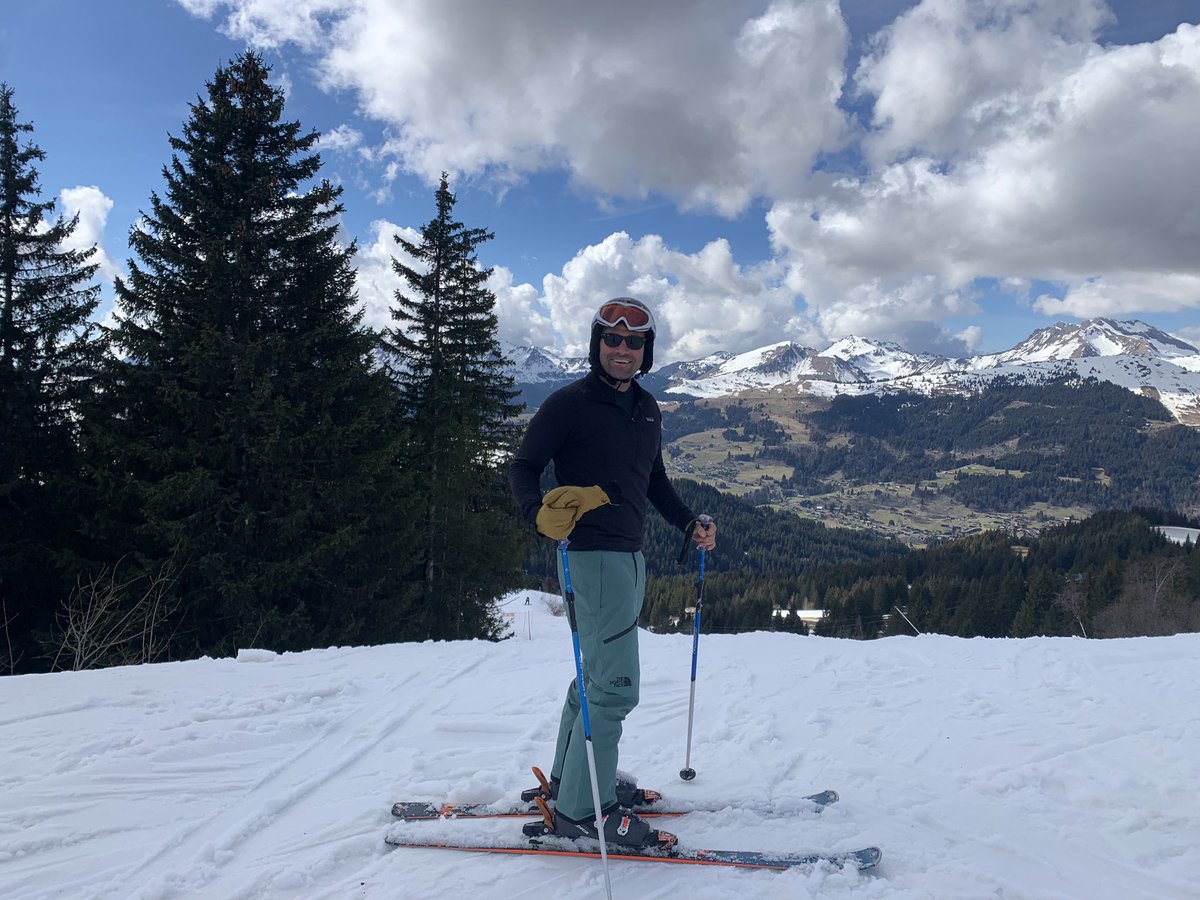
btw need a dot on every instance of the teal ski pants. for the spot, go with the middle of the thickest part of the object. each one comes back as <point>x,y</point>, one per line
<point>609,588</point>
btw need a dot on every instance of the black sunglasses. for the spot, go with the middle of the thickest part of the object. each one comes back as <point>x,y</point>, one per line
<point>634,341</point>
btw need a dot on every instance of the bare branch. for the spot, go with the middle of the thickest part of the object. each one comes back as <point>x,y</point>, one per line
<point>107,622</point>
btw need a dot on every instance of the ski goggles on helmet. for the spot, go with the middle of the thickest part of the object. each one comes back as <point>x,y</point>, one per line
<point>625,311</point>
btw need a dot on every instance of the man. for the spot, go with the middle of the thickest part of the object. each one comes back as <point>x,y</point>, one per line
<point>604,435</point>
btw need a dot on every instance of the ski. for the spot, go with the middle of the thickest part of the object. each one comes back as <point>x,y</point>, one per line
<point>418,810</point>
<point>865,858</point>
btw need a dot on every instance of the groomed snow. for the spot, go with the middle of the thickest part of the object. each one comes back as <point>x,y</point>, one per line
<point>1043,768</point>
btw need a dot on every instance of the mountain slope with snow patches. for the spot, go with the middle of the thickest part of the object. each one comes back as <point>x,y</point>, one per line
<point>1134,355</point>
<point>1028,769</point>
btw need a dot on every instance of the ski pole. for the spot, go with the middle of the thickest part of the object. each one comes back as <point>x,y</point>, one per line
<point>569,596</point>
<point>687,773</point>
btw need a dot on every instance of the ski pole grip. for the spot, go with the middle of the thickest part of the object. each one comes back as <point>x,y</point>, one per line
<point>704,520</point>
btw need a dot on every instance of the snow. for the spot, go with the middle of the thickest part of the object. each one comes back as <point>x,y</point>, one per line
<point>1190,363</point>
<point>1041,768</point>
<point>878,361</point>
<point>1179,535</point>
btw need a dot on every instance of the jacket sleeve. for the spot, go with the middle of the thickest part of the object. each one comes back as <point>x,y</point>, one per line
<point>542,439</point>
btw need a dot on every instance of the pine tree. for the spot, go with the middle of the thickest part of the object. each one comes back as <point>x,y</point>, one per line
<point>257,440</point>
<point>49,353</point>
<point>460,403</point>
<point>1031,618</point>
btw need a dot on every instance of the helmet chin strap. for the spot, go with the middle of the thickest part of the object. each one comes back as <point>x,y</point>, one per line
<point>613,382</point>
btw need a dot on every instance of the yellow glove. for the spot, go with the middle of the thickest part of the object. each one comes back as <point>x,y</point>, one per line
<point>564,506</point>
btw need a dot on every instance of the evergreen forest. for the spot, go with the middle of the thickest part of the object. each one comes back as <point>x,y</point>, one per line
<point>236,460</point>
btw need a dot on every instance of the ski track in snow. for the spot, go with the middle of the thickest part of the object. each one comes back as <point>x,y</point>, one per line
<point>1039,769</point>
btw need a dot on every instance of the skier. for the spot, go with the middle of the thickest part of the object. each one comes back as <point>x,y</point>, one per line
<point>604,435</point>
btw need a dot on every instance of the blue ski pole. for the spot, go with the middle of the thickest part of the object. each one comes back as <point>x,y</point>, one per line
<point>687,773</point>
<point>569,596</point>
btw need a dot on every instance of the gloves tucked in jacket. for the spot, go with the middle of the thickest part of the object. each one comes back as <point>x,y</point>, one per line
<point>564,506</point>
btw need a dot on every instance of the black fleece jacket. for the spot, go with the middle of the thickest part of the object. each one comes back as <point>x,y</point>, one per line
<point>592,439</point>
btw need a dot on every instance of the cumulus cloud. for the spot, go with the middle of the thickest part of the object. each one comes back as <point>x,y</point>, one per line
<point>993,141</point>
<point>711,103</point>
<point>702,302</point>
<point>1076,170</point>
<point>92,206</point>
<point>377,281</point>
<point>342,138</point>
<point>1124,294</point>
<point>947,76</point>
<point>521,322</point>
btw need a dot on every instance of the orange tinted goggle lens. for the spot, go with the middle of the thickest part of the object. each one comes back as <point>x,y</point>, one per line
<point>636,318</point>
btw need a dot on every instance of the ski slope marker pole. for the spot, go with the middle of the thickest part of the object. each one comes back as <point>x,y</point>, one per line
<point>687,773</point>
<point>569,596</point>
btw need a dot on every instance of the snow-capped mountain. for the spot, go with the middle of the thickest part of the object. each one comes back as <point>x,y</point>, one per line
<point>1137,356</point>
<point>1096,337</point>
<point>881,360</point>
<point>533,365</point>
<point>692,369</point>
<point>767,368</point>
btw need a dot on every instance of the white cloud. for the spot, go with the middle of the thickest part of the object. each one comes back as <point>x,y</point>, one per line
<point>710,103</point>
<point>998,140</point>
<point>702,302</point>
<point>516,304</point>
<point>948,76</point>
<point>270,23</point>
<point>377,281</point>
<point>1124,294</point>
<point>1083,175</point>
<point>342,138</point>
<point>92,206</point>
<point>970,338</point>
<point>523,318</point>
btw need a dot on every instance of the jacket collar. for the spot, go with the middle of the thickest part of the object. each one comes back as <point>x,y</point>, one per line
<point>598,389</point>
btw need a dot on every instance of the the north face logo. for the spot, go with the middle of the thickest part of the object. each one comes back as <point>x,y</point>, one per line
<point>623,681</point>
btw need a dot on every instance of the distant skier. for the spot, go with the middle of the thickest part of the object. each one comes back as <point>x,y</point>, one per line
<point>604,436</point>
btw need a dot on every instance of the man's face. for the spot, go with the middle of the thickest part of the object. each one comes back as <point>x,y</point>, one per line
<point>620,362</point>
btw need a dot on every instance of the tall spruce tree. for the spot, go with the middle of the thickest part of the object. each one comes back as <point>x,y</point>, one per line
<point>460,405</point>
<point>49,351</point>
<point>255,436</point>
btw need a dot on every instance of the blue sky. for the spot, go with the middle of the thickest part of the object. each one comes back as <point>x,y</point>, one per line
<point>945,174</point>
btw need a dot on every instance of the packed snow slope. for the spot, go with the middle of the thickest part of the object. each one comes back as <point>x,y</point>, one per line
<point>1045,768</point>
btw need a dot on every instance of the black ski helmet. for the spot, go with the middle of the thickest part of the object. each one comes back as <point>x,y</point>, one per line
<point>634,315</point>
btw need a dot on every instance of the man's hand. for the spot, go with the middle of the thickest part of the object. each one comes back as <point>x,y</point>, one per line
<point>704,533</point>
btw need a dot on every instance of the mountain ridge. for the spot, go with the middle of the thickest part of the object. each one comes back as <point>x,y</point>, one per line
<point>1133,354</point>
